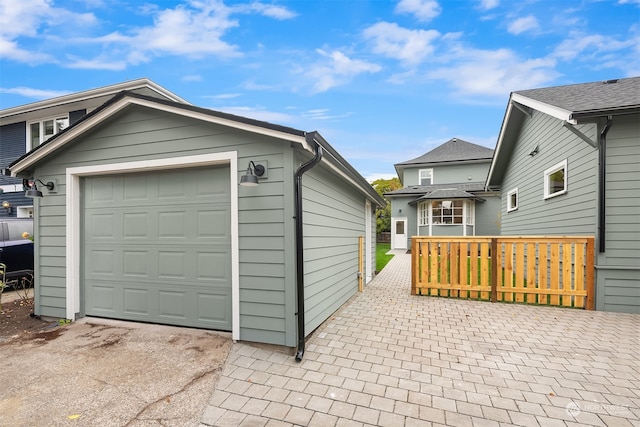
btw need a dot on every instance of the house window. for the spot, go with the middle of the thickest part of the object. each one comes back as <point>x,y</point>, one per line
<point>555,180</point>
<point>512,200</point>
<point>39,132</point>
<point>447,211</point>
<point>426,176</point>
<point>423,213</point>
<point>471,207</point>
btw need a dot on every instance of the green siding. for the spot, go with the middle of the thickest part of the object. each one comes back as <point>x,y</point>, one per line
<point>333,217</point>
<point>570,213</point>
<point>488,215</point>
<point>449,173</point>
<point>618,274</point>
<point>138,133</point>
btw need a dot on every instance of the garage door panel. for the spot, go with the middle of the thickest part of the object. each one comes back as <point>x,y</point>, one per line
<point>159,250</point>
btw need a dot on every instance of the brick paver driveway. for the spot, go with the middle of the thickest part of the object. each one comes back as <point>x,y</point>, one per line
<point>392,359</point>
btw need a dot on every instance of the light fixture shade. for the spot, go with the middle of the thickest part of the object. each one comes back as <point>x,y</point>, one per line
<point>33,193</point>
<point>249,179</point>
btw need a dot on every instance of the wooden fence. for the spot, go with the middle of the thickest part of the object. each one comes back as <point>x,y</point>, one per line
<point>545,270</point>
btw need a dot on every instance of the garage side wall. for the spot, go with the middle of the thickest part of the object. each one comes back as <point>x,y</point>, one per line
<point>333,217</point>
<point>139,134</point>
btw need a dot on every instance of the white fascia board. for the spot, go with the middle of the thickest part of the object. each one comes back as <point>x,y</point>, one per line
<point>507,116</point>
<point>88,124</point>
<point>551,110</point>
<point>89,94</point>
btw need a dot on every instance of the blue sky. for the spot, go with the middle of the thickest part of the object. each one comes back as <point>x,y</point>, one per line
<point>382,81</point>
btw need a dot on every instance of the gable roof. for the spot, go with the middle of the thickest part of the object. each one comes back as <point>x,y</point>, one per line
<point>125,99</point>
<point>454,150</point>
<point>572,104</point>
<point>103,93</point>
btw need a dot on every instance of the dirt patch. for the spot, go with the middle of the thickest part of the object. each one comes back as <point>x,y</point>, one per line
<point>17,320</point>
<point>97,372</point>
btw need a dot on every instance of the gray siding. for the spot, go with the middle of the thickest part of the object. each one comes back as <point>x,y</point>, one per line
<point>618,274</point>
<point>449,173</point>
<point>573,213</point>
<point>488,216</point>
<point>139,134</point>
<point>408,211</point>
<point>333,218</point>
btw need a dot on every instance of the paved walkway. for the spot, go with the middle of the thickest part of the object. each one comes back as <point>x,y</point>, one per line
<point>392,359</point>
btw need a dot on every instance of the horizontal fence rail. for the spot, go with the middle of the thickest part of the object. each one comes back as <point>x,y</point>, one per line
<point>544,270</point>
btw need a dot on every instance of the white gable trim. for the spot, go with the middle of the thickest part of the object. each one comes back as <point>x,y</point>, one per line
<point>74,216</point>
<point>75,131</point>
<point>551,110</point>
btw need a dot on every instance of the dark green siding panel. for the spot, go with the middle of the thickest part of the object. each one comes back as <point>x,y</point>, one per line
<point>488,216</point>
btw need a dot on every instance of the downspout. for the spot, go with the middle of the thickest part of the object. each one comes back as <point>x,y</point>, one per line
<point>602,170</point>
<point>299,246</point>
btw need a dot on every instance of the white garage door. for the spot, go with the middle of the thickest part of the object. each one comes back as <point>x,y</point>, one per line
<point>157,247</point>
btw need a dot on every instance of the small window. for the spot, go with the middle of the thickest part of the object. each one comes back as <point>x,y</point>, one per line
<point>512,200</point>
<point>447,212</point>
<point>39,132</point>
<point>426,176</point>
<point>471,212</point>
<point>423,213</point>
<point>555,180</point>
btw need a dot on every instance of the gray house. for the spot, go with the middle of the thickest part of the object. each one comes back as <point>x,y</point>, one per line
<point>443,194</point>
<point>567,162</point>
<point>24,127</point>
<point>143,219</point>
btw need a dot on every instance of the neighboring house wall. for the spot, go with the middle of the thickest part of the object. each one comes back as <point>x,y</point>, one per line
<point>572,213</point>
<point>142,134</point>
<point>488,215</point>
<point>618,269</point>
<point>448,174</point>
<point>334,218</point>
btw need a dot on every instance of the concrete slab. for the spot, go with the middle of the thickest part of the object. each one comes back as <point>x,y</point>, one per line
<point>97,372</point>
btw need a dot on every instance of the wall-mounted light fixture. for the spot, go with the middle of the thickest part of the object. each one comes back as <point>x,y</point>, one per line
<point>250,179</point>
<point>534,151</point>
<point>7,206</point>
<point>34,192</point>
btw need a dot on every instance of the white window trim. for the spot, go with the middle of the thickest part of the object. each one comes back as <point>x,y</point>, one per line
<point>426,205</point>
<point>511,208</point>
<point>40,121</point>
<point>555,168</point>
<point>420,175</point>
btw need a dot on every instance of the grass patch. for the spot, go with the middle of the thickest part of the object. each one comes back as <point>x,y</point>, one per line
<point>381,255</point>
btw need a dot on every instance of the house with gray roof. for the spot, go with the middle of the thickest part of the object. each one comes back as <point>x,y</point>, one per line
<point>443,194</point>
<point>567,162</point>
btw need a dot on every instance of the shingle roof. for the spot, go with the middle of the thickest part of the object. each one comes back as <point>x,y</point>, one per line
<point>453,150</point>
<point>590,97</point>
<point>423,189</point>
<point>447,193</point>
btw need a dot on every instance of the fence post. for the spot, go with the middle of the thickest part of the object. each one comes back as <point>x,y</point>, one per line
<point>590,272</point>
<point>415,256</point>
<point>494,269</point>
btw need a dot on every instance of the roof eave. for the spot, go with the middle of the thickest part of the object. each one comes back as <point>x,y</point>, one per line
<point>543,107</point>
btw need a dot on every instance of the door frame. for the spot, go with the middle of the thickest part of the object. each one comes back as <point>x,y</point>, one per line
<point>74,219</point>
<point>394,236</point>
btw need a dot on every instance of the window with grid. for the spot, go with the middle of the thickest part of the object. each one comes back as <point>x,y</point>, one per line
<point>423,213</point>
<point>426,176</point>
<point>448,212</point>
<point>39,132</point>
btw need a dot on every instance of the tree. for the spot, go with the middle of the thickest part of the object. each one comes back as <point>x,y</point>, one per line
<point>383,215</point>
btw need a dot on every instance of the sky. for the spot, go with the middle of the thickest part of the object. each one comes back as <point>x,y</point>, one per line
<point>382,81</point>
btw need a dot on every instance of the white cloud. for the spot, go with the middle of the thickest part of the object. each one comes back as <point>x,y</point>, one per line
<point>494,73</point>
<point>393,41</point>
<point>424,10</point>
<point>191,78</point>
<point>323,114</point>
<point>269,10</point>
<point>524,24</point>
<point>25,19</point>
<point>337,69</point>
<point>99,63</point>
<point>29,92</point>
<point>589,46</point>
<point>489,4</point>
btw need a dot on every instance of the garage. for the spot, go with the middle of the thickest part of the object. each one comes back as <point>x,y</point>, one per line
<point>157,247</point>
